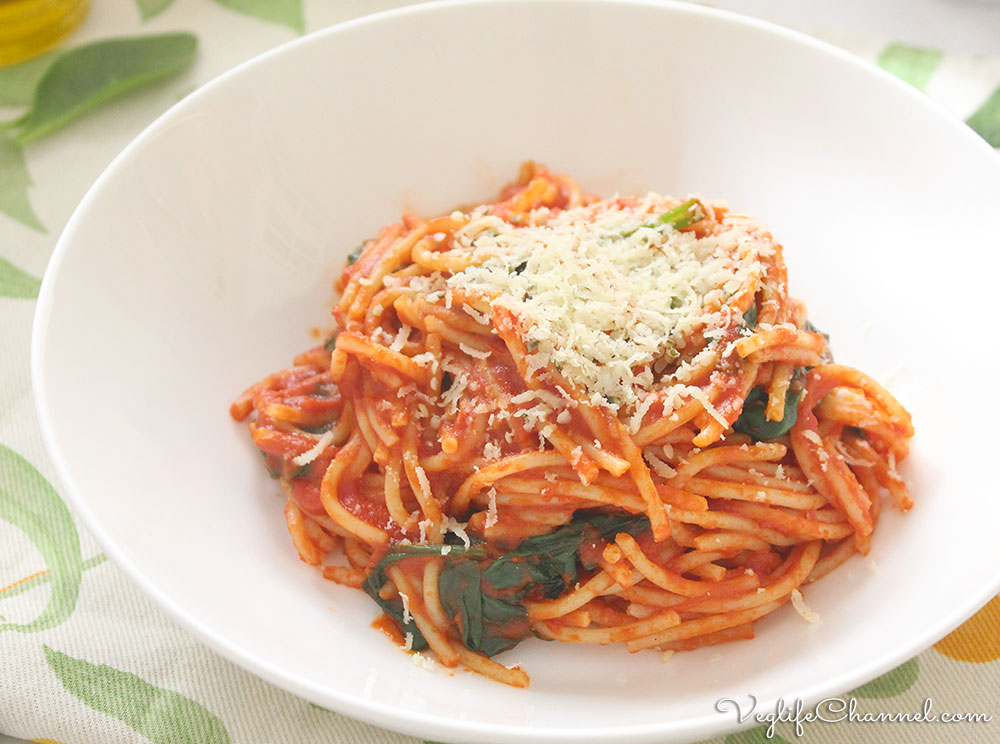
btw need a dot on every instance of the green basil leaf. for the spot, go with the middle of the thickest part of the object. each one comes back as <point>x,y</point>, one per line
<point>498,612</point>
<point>461,595</point>
<point>394,607</point>
<point>317,429</point>
<point>497,618</point>
<point>753,419</point>
<point>610,525</point>
<point>750,316</point>
<point>681,216</point>
<point>87,76</point>
<point>551,560</point>
<point>486,620</point>
<point>286,12</point>
<point>354,255</point>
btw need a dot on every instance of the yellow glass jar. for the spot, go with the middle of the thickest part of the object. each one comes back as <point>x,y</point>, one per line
<point>30,27</point>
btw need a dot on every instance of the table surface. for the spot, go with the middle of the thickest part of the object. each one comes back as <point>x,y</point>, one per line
<point>959,26</point>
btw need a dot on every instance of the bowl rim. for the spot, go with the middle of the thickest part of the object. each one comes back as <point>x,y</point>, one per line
<point>383,715</point>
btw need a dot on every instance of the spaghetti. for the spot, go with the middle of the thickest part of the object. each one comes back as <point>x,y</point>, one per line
<point>594,421</point>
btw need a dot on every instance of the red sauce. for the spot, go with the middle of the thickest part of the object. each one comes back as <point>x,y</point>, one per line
<point>388,626</point>
<point>375,513</point>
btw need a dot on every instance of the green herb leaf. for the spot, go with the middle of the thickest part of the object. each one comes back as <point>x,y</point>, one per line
<point>331,343</point>
<point>354,255</point>
<point>90,75</point>
<point>486,620</point>
<point>497,617</point>
<point>152,8</point>
<point>272,471</point>
<point>551,560</point>
<point>14,183</point>
<point>286,12</point>
<point>29,502</point>
<point>301,471</point>
<point>491,624</point>
<point>162,716</point>
<point>18,82</point>
<point>16,283</point>
<point>681,216</point>
<point>750,316</point>
<point>462,595</point>
<point>394,608</point>
<point>753,419</point>
<point>317,429</point>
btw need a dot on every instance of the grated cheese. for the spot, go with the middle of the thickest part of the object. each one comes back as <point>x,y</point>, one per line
<point>604,299</point>
<point>402,336</point>
<point>660,467</point>
<point>425,484</point>
<point>474,352</point>
<point>702,397</point>
<point>476,315</point>
<point>315,451</point>
<point>423,662</point>
<point>453,525</point>
<point>423,524</point>
<point>802,608</point>
<point>491,511</point>
<point>406,607</point>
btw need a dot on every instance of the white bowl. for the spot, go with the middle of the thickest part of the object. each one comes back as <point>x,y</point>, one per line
<point>204,255</point>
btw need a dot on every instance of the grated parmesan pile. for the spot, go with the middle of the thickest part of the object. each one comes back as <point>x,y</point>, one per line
<point>609,301</point>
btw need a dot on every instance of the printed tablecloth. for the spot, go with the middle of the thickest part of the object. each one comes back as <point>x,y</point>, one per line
<point>85,658</point>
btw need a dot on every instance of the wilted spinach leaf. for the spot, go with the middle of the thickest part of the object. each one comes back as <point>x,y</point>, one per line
<point>753,420</point>
<point>394,607</point>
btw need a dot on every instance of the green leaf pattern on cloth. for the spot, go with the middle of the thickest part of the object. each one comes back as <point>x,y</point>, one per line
<point>18,82</point>
<point>29,503</point>
<point>14,183</point>
<point>286,12</point>
<point>913,64</point>
<point>16,283</point>
<point>756,735</point>
<point>162,716</point>
<point>152,8</point>
<point>41,578</point>
<point>891,684</point>
<point>986,120</point>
